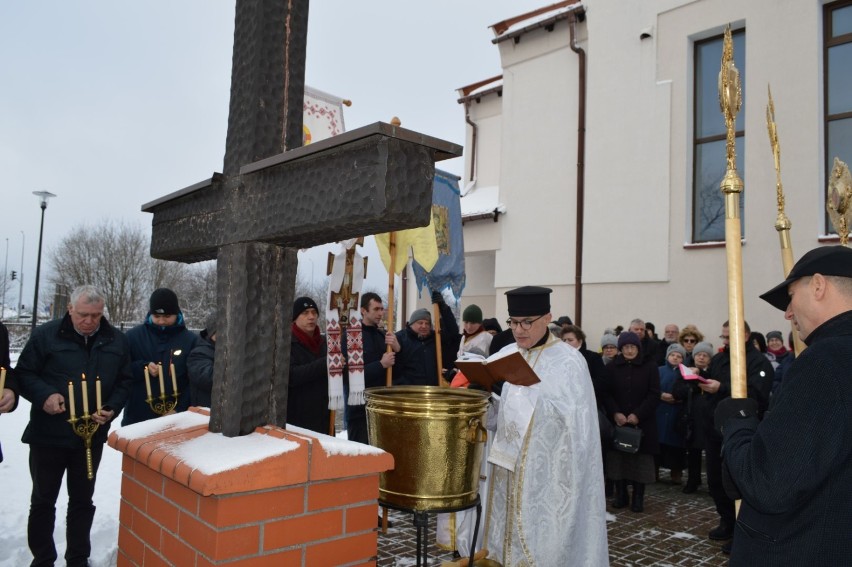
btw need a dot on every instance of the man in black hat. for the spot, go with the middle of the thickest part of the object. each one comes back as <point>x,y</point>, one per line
<point>793,470</point>
<point>161,344</point>
<point>307,391</point>
<point>546,455</point>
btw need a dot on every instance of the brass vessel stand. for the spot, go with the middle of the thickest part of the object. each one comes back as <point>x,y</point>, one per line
<point>421,523</point>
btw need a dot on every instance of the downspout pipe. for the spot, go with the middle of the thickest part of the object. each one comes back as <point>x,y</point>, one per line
<point>473,129</point>
<point>579,15</point>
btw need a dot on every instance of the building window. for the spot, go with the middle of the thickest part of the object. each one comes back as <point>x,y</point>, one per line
<point>709,158</point>
<point>837,23</point>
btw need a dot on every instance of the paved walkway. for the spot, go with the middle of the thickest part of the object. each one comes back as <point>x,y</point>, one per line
<point>672,531</point>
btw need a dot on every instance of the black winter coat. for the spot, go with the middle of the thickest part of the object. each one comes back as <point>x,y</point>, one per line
<point>759,376</point>
<point>199,368</point>
<point>794,469</point>
<point>416,362</point>
<point>152,343</point>
<point>633,386</point>
<point>11,383</point>
<point>57,354</point>
<point>307,395</point>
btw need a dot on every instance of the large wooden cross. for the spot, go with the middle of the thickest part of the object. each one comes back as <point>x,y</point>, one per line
<point>269,201</point>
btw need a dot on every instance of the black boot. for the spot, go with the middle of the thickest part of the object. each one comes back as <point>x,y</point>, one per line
<point>620,500</point>
<point>638,503</point>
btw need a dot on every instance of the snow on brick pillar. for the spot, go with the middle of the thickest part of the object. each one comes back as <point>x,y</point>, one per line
<point>194,498</point>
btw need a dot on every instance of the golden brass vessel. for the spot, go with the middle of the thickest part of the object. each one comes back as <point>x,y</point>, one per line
<point>436,436</point>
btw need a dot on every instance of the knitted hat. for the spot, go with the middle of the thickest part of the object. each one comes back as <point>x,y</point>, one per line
<point>472,314</point>
<point>303,304</point>
<point>609,340</point>
<point>164,302</point>
<point>564,320</point>
<point>210,324</point>
<point>704,347</point>
<point>675,347</point>
<point>420,315</point>
<point>775,335</point>
<point>628,338</point>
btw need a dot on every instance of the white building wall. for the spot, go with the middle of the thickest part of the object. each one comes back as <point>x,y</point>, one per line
<point>638,260</point>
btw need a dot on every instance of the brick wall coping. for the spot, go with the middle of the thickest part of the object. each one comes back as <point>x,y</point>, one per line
<point>182,448</point>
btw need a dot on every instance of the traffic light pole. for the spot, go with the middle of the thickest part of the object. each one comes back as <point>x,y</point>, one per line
<point>21,275</point>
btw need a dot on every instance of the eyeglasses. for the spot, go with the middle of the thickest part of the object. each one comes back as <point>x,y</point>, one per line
<point>689,340</point>
<point>525,324</point>
<point>724,337</point>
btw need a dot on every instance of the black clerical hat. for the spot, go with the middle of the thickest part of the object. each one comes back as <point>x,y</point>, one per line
<point>528,300</point>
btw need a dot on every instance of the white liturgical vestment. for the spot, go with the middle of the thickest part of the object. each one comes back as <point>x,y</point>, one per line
<point>546,503</point>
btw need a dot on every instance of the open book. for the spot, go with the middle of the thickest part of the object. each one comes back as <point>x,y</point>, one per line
<point>512,368</point>
<point>687,375</point>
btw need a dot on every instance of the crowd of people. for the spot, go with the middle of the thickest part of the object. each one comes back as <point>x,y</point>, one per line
<point>601,423</point>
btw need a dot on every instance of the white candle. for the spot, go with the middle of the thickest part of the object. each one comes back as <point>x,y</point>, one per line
<point>98,403</point>
<point>147,382</point>
<point>174,378</point>
<point>162,384</point>
<point>71,398</point>
<point>85,397</point>
<point>2,381</point>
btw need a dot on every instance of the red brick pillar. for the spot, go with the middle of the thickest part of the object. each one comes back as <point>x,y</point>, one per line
<point>192,498</point>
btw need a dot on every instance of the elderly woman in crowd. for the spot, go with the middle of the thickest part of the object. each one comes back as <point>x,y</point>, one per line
<point>672,452</point>
<point>688,337</point>
<point>609,347</point>
<point>691,422</point>
<point>631,396</point>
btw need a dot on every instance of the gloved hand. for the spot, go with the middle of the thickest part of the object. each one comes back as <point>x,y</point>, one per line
<point>437,297</point>
<point>733,408</point>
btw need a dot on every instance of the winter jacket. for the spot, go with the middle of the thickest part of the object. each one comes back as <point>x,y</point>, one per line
<point>307,394</point>
<point>416,362</point>
<point>633,386</point>
<point>56,354</point>
<point>794,469</point>
<point>200,371</point>
<point>153,343</point>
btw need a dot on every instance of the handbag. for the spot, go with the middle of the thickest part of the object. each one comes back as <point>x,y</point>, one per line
<point>627,439</point>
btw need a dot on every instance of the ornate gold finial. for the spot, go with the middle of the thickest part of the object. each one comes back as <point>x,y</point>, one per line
<point>781,222</point>
<point>838,198</point>
<point>730,100</point>
<point>396,121</point>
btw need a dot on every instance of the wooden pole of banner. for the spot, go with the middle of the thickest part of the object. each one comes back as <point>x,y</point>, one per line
<point>436,317</point>
<point>782,223</point>
<point>390,311</point>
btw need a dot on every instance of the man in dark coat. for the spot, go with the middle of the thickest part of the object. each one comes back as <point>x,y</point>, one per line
<point>307,397</point>
<point>759,375</point>
<point>161,341</point>
<point>200,365</point>
<point>793,470</point>
<point>376,361</point>
<point>59,352</point>
<point>9,392</point>
<point>416,362</point>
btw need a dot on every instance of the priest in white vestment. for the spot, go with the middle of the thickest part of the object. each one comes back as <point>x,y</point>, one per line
<point>546,502</point>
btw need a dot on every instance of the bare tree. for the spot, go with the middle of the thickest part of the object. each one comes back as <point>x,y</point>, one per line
<point>196,288</point>
<point>114,257</point>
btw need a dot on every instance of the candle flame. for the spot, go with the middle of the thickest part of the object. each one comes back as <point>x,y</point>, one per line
<point>177,352</point>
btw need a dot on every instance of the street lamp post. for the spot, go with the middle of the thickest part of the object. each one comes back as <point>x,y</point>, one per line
<point>43,197</point>
<point>21,276</point>
<point>5,283</point>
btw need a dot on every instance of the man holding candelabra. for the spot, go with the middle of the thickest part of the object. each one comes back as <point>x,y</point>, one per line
<point>159,349</point>
<point>8,384</point>
<point>79,362</point>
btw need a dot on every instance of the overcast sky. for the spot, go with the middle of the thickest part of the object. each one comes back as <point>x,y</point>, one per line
<point>110,105</point>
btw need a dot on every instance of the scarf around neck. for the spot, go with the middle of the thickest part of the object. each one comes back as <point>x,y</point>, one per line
<point>312,343</point>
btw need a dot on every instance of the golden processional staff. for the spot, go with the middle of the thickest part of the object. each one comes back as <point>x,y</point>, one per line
<point>838,198</point>
<point>782,223</point>
<point>730,100</point>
